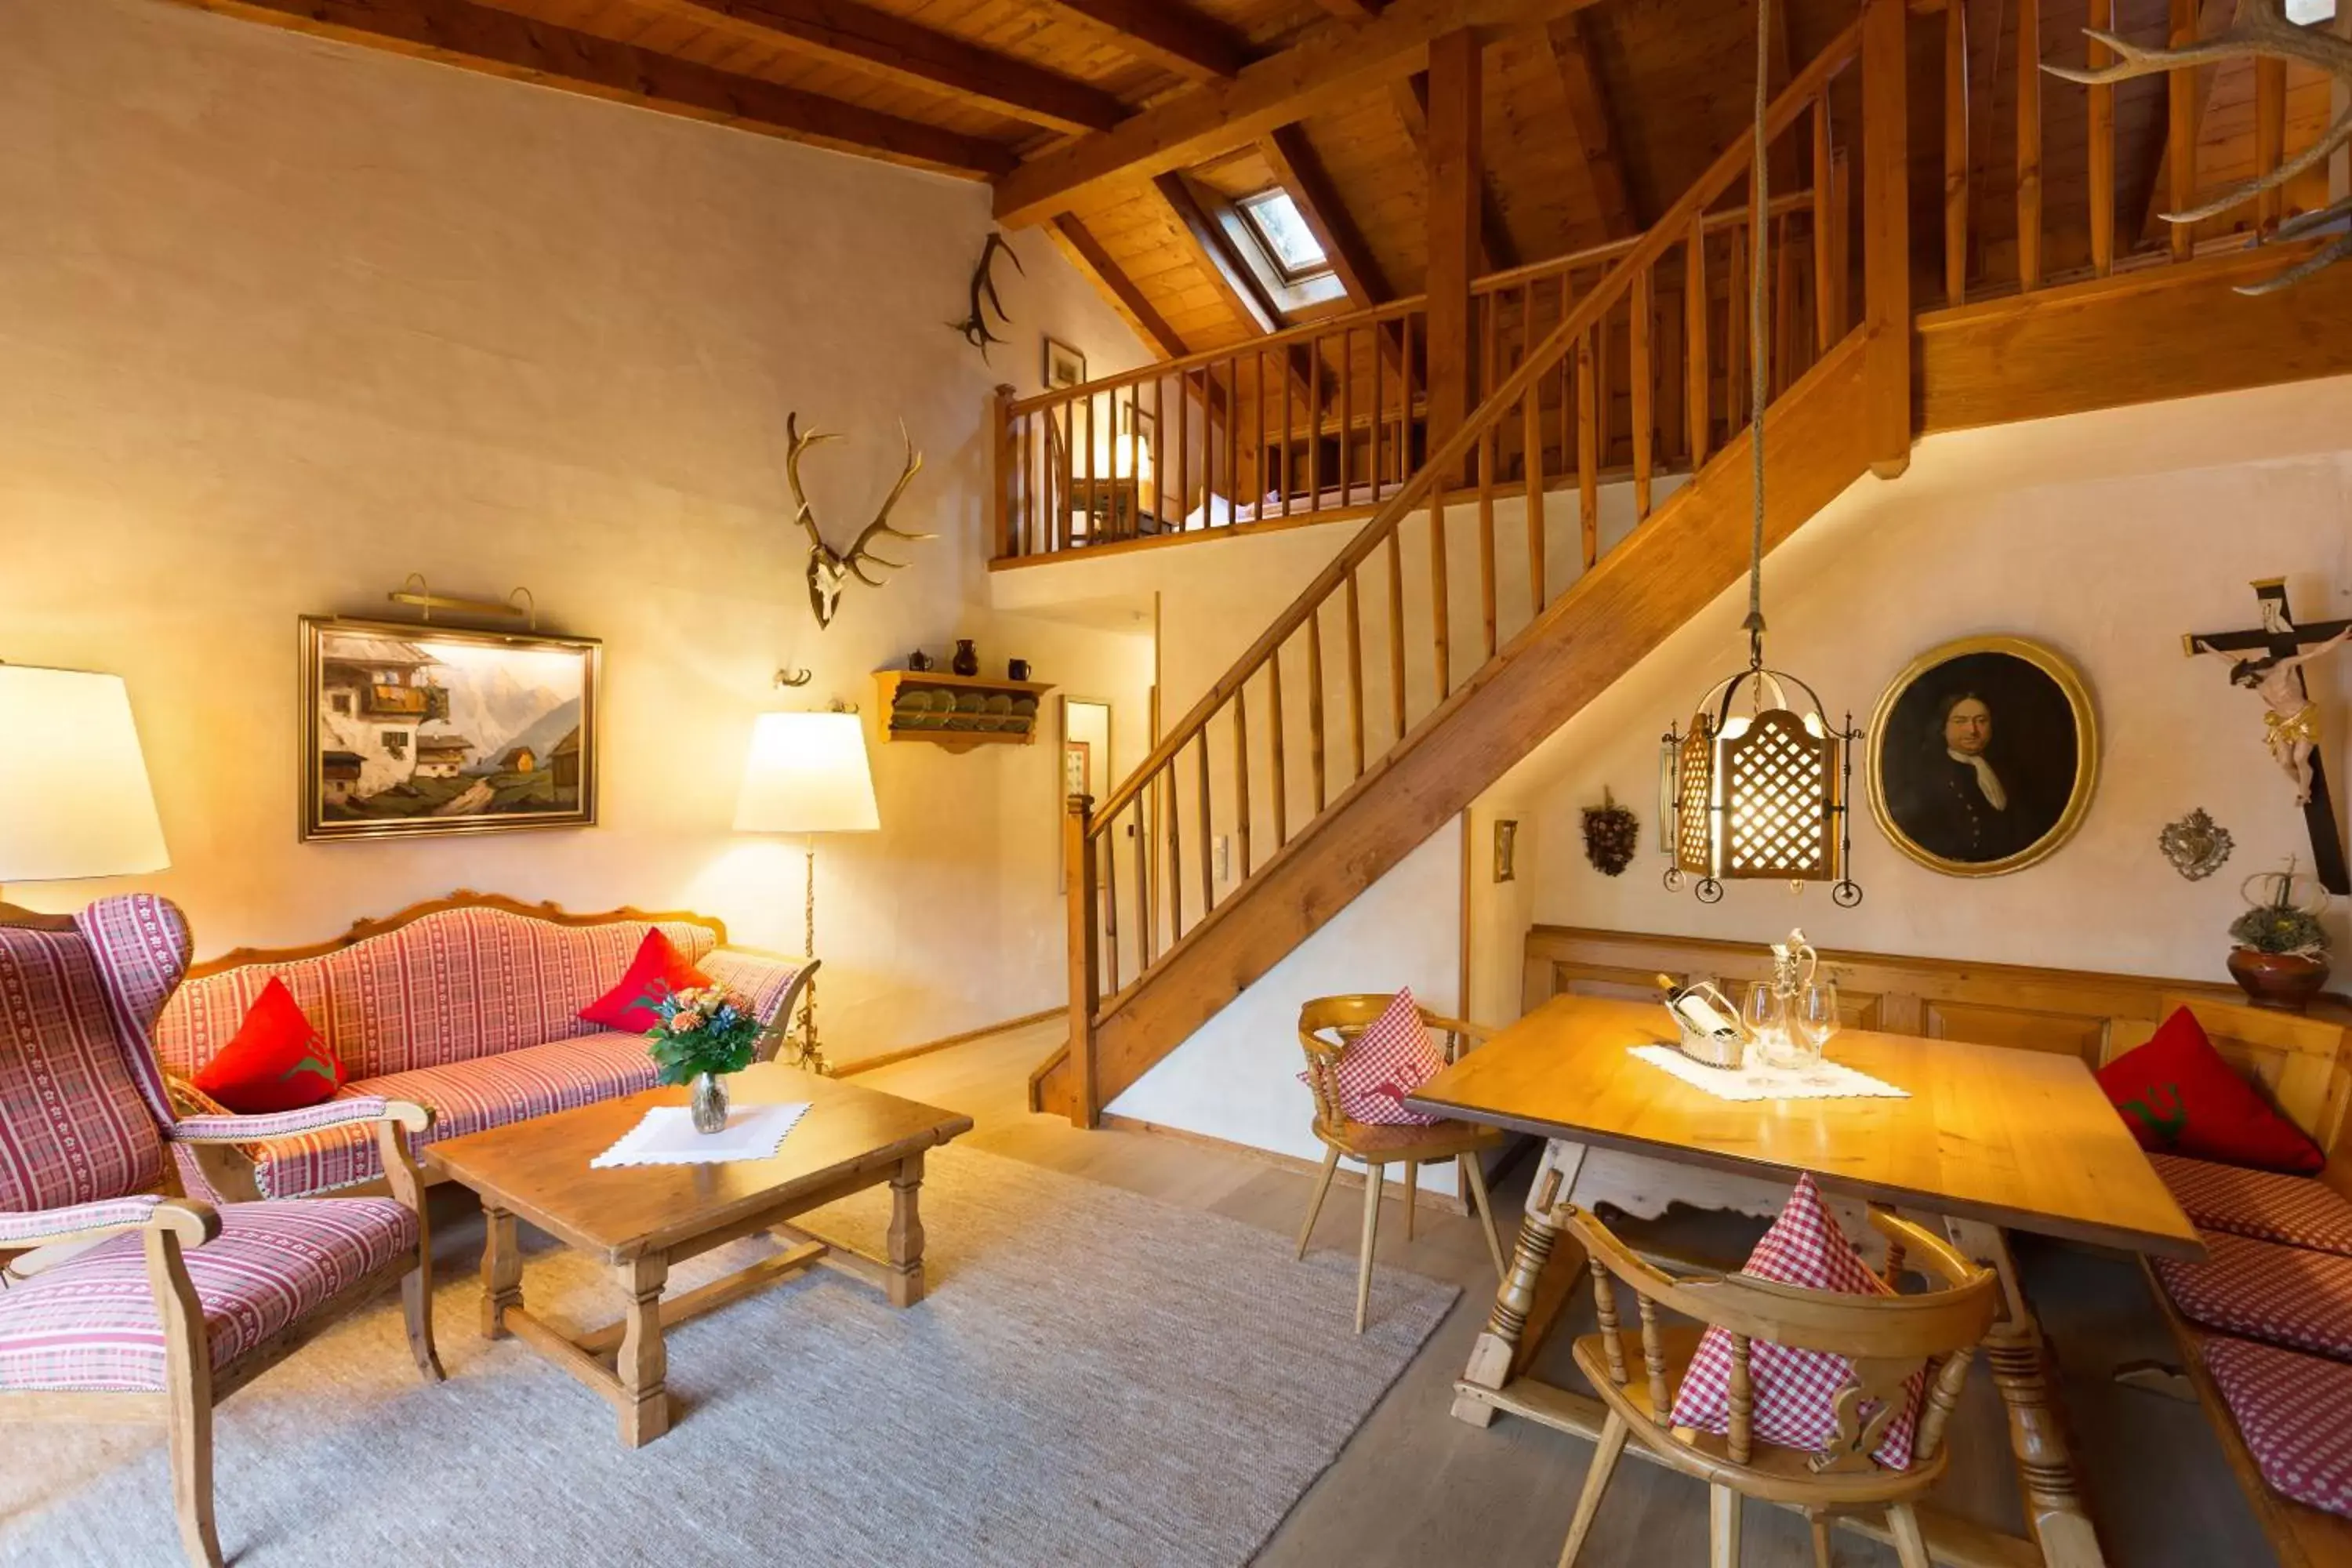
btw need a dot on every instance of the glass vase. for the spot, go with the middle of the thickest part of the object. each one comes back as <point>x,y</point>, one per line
<point>707,1102</point>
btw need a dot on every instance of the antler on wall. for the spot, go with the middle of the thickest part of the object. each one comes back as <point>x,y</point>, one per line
<point>829,570</point>
<point>974,327</point>
<point>2259,27</point>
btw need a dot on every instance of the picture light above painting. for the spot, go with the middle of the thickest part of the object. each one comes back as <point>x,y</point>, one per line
<point>413,729</point>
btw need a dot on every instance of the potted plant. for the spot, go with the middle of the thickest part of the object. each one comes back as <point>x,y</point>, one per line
<point>2281,956</point>
<point>706,1033</point>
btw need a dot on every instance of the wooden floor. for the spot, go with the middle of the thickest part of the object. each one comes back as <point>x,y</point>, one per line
<point>1415,1487</point>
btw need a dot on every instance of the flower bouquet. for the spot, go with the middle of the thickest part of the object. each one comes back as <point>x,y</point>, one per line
<point>706,1032</point>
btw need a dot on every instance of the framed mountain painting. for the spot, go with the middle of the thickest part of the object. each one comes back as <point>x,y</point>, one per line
<point>412,729</point>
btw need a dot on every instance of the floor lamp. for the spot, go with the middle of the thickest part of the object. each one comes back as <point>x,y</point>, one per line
<point>807,775</point>
<point>74,796</point>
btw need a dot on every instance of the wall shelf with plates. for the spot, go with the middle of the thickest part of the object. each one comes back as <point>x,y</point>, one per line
<point>957,711</point>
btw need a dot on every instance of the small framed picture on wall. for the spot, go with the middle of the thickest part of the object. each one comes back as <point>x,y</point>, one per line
<point>1064,366</point>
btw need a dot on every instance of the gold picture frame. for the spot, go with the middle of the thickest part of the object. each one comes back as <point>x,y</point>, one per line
<point>416,730</point>
<point>1931,796</point>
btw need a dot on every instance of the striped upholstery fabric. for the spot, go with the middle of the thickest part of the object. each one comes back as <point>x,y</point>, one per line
<point>765,981</point>
<point>91,1323</point>
<point>32,1229</point>
<point>2299,1211</point>
<point>2286,1296</point>
<point>2296,1414</point>
<point>465,1097</point>
<point>76,1125</point>
<point>452,986</point>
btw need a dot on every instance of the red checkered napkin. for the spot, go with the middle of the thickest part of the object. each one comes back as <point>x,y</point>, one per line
<point>1796,1390</point>
<point>1393,1056</point>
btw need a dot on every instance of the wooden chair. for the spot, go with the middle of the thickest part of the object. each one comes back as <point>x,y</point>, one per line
<point>181,1300</point>
<point>1888,1338</point>
<point>1327,1027</point>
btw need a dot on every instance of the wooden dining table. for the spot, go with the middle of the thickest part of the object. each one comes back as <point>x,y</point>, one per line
<point>1988,1140</point>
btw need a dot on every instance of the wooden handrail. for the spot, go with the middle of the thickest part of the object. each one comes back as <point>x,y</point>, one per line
<point>1672,229</point>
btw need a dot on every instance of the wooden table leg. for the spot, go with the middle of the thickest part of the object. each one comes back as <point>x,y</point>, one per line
<point>502,1270</point>
<point>2019,1360</point>
<point>1498,1345</point>
<point>644,1362</point>
<point>906,1238</point>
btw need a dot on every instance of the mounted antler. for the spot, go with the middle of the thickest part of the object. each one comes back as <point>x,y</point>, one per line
<point>974,327</point>
<point>2259,27</point>
<point>829,570</point>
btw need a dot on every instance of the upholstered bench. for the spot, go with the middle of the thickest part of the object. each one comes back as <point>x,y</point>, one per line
<point>469,1006</point>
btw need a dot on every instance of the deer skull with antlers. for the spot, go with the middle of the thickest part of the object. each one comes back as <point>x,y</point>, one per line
<point>829,570</point>
<point>2259,27</point>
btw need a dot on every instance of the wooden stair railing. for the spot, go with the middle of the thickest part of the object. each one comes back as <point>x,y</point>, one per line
<point>1154,948</point>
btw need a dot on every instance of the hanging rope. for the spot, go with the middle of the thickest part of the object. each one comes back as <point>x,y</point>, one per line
<point>1759,346</point>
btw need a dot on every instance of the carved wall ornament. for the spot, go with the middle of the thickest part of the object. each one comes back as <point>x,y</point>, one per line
<point>2196,844</point>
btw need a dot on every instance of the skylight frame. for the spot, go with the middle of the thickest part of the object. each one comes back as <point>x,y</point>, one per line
<point>1279,236</point>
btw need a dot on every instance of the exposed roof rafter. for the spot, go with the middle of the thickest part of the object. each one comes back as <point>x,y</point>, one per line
<point>1300,172</point>
<point>889,45</point>
<point>1166,32</point>
<point>501,43</point>
<point>1410,95</point>
<point>1596,128</point>
<point>1085,253</point>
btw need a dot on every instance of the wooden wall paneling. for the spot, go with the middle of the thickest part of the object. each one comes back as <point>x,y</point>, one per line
<point>1086,254</point>
<point>1595,125</point>
<point>1886,235</point>
<point>883,44</point>
<point>501,43</point>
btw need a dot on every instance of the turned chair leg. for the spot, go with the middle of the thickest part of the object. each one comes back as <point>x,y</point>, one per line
<point>1723,1528</point>
<point>417,1304</point>
<point>1373,1176</point>
<point>1605,1454</point>
<point>1315,1204</point>
<point>1910,1546</point>
<point>1411,1182</point>
<point>1474,1181</point>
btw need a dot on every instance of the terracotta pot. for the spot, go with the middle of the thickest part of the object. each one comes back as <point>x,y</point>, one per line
<point>2285,980</point>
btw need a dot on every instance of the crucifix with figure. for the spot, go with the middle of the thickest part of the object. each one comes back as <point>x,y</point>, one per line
<point>2268,661</point>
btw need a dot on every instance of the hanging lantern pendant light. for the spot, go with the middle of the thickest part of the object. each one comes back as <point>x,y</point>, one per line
<point>1757,788</point>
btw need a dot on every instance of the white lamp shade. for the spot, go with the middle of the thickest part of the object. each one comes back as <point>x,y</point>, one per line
<point>74,796</point>
<point>807,774</point>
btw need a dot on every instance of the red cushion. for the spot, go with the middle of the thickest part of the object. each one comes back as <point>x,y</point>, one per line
<point>2296,1414</point>
<point>2178,1096</point>
<point>657,970</point>
<point>1795,1390</point>
<point>1392,1057</point>
<point>2300,1210</point>
<point>277,1061</point>
<point>2287,1296</point>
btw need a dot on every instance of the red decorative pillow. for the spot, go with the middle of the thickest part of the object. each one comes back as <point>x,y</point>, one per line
<point>1393,1056</point>
<point>2178,1096</point>
<point>657,970</point>
<point>1795,1390</point>
<point>277,1061</point>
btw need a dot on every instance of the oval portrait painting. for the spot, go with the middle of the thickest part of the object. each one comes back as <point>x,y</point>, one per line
<point>1982,756</point>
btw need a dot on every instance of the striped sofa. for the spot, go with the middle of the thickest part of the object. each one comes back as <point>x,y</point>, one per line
<point>470,1006</point>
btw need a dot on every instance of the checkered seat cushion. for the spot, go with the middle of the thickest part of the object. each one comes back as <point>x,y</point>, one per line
<point>2296,1211</point>
<point>465,1097</point>
<point>1795,1390</point>
<point>2288,1295</point>
<point>91,1323</point>
<point>2296,1414</point>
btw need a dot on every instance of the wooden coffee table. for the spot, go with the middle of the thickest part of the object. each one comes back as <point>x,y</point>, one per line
<point>639,1219</point>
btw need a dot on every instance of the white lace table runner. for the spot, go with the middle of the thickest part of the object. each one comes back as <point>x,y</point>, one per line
<point>667,1137</point>
<point>1822,1080</point>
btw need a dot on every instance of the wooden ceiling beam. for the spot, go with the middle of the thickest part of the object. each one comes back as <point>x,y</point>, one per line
<point>1300,172</point>
<point>883,44</point>
<point>1596,128</point>
<point>1165,31</point>
<point>501,43</point>
<point>1353,10</point>
<point>1496,250</point>
<point>1331,63</point>
<point>1086,254</point>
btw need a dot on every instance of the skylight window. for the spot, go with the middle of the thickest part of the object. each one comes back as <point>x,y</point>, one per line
<point>2304,13</point>
<point>1287,240</point>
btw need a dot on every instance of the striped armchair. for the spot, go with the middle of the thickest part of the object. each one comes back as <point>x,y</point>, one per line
<point>179,1301</point>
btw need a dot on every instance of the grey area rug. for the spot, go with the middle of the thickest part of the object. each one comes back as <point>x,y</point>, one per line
<point>1096,1378</point>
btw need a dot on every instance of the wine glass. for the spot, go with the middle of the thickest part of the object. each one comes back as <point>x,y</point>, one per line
<point>1766,1018</point>
<point>1817,1016</point>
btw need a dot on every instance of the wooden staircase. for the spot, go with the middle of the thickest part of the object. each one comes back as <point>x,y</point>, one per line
<point>1153,960</point>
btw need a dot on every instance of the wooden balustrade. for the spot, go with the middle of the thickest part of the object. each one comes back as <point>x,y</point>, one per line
<point>1624,363</point>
